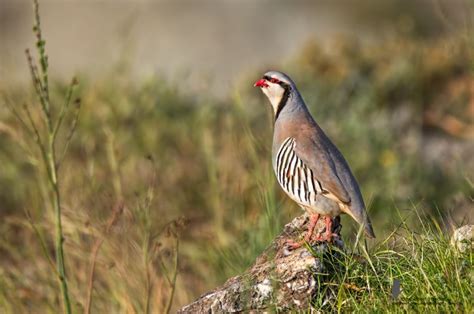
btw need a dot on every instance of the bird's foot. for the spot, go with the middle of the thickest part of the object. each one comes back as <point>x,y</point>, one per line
<point>323,237</point>
<point>293,245</point>
<point>313,238</point>
<point>328,235</point>
<point>310,239</point>
<point>317,237</point>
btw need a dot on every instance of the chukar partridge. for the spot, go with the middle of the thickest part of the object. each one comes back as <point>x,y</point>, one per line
<point>308,166</point>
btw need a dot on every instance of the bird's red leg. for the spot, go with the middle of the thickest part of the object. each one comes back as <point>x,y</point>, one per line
<point>313,220</point>
<point>329,233</point>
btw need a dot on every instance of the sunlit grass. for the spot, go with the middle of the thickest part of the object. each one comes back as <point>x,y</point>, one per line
<point>407,271</point>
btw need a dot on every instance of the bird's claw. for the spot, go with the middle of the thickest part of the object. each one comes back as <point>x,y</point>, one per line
<point>293,245</point>
<point>327,237</point>
<point>317,238</point>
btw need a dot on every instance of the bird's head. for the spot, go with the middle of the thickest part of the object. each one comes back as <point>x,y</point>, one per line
<point>277,87</point>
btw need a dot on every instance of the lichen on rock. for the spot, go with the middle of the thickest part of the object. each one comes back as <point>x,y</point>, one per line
<point>280,279</point>
<point>463,238</point>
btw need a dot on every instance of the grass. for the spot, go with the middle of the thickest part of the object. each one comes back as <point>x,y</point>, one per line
<point>407,271</point>
<point>166,194</point>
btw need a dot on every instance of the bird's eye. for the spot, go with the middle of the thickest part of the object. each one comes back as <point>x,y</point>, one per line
<point>274,80</point>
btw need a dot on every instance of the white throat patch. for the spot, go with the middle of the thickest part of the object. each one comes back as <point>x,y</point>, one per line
<point>274,92</point>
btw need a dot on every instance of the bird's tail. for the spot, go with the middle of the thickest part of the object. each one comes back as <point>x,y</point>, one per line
<point>369,231</point>
<point>363,219</point>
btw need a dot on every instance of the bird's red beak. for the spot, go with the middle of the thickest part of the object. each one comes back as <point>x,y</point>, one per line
<point>260,83</point>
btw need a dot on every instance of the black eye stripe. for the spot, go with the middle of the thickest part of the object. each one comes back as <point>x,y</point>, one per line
<point>281,83</point>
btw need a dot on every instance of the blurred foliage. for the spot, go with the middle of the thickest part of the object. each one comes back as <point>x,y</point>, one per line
<point>401,111</point>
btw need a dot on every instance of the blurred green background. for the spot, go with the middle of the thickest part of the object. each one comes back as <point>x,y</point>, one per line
<point>171,127</point>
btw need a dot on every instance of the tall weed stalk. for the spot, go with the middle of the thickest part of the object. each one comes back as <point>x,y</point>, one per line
<point>44,131</point>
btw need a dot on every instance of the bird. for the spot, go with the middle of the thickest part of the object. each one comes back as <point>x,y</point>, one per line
<point>308,166</point>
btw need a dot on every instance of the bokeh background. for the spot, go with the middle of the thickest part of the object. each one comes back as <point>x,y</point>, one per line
<point>172,132</point>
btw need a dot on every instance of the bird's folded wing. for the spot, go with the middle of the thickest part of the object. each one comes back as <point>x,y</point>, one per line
<point>315,156</point>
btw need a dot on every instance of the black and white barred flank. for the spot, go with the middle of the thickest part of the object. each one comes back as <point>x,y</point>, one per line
<point>294,176</point>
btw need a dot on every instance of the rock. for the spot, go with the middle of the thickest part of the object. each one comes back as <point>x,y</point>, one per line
<point>463,238</point>
<point>280,279</point>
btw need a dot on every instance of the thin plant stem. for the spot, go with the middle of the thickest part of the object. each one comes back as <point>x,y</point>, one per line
<point>46,142</point>
<point>59,230</point>
<point>41,240</point>
<point>118,209</point>
<point>175,275</point>
<point>64,107</point>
